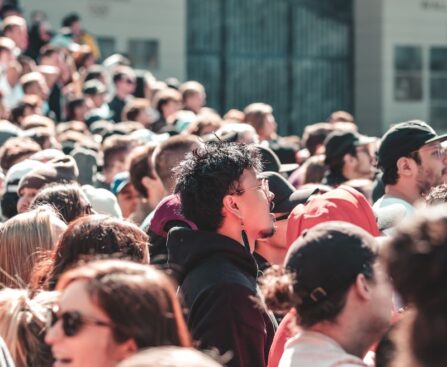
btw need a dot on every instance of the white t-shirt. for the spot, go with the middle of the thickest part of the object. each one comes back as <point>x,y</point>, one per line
<point>390,211</point>
<point>312,349</point>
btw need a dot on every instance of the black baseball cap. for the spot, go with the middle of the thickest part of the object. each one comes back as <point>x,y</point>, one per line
<point>327,258</point>
<point>338,143</point>
<point>271,162</point>
<point>286,197</point>
<point>404,138</point>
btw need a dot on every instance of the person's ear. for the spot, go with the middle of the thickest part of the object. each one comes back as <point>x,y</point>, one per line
<point>125,349</point>
<point>147,182</point>
<point>362,287</point>
<point>231,206</point>
<point>405,166</point>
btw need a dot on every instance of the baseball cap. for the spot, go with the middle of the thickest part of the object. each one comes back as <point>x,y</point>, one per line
<point>338,143</point>
<point>102,201</point>
<point>404,138</point>
<point>327,259</point>
<point>120,181</point>
<point>56,170</point>
<point>286,196</point>
<point>271,162</point>
<point>19,170</point>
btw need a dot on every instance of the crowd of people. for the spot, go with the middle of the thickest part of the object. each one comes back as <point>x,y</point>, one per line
<point>141,228</point>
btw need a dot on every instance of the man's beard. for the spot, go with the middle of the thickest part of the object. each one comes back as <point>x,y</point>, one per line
<point>426,181</point>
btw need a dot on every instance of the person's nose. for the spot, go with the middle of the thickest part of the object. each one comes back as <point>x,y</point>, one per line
<point>53,333</point>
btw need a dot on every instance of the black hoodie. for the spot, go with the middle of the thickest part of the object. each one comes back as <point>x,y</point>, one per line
<point>218,283</point>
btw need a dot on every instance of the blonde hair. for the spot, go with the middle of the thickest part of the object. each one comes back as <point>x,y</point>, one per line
<point>22,322</point>
<point>24,240</point>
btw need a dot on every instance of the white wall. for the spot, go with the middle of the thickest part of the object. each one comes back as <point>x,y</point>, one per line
<point>411,22</point>
<point>162,20</point>
<point>380,26</point>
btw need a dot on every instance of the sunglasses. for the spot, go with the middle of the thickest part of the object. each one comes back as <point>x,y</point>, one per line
<point>72,321</point>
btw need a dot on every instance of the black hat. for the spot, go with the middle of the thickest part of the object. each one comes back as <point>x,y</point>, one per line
<point>338,143</point>
<point>404,138</point>
<point>327,259</point>
<point>286,197</point>
<point>271,162</point>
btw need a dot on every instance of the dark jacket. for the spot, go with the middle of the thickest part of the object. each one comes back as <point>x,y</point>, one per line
<point>218,283</point>
<point>116,106</point>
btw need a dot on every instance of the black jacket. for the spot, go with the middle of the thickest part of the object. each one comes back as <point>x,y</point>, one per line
<point>218,283</point>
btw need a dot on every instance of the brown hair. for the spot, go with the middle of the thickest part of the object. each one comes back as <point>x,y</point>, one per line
<point>165,96</point>
<point>95,235</point>
<point>139,300</point>
<point>255,114</point>
<point>67,199</point>
<point>190,88</point>
<point>15,150</point>
<point>169,154</point>
<point>141,165</point>
<point>416,260</point>
<point>114,146</point>
<point>133,108</point>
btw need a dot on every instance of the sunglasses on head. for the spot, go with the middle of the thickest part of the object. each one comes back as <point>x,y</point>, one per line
<point>72,321</point>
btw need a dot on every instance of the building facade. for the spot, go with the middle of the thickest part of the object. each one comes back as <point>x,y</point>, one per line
<point>401,63</point>
<point>151,32</point>
<point>385,61</point>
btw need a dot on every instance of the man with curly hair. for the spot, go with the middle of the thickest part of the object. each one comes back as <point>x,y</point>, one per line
<point>221,192</point>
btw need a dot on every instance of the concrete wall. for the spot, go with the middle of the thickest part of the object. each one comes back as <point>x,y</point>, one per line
<point>162,20</point>
<point>368,41</point>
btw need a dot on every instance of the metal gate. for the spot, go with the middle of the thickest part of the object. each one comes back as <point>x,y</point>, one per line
<point>296,55</point>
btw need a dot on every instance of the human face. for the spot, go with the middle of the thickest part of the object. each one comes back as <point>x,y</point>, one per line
<point>93,344</point>
<point>196,101</point>
<point>171,107</point>
<point>128,199</point>
<point>26,196</point>
<point>381,304</point>
<point>126,84</point>
<point>432,168</point>
<point>254,202</point>
<point>274,249</point>
<point>364,165</point>
<point>269,127</point>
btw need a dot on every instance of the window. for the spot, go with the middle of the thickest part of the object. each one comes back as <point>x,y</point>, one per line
<point>144,53</point>
<point>438,87</point>
<point>106,46</point>
<point>407,73</point>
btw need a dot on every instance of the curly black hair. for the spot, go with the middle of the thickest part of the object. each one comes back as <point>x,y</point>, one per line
<point>207,175</point>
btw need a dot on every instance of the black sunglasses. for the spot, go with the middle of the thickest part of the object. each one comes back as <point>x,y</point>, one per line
<point>72,321</point>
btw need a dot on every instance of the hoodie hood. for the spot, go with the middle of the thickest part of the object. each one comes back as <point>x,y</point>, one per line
<point>188,248</point>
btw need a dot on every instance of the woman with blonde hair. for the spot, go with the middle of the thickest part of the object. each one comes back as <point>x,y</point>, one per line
<point>22,326</point>
<point>24,240</point>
